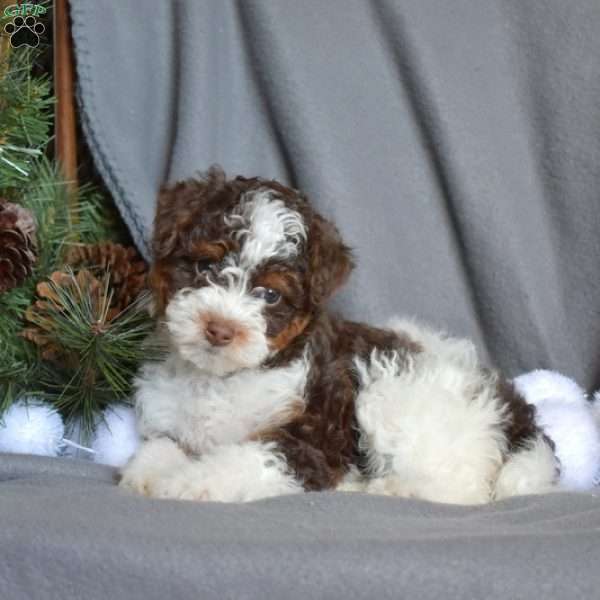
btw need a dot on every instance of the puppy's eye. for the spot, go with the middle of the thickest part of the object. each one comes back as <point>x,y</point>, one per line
<point>203,266</point>
<point>269,295</point>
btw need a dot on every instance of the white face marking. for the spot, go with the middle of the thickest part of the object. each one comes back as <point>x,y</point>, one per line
<point>266,228</point>
<point>190,310</point>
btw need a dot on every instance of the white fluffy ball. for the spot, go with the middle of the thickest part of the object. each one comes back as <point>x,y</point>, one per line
<point>596,406</point>
<point>565,414</point>
<point>116,438</point>
<point>30,427</point>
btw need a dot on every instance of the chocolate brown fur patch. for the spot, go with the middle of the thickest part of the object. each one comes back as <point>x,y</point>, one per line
<point>521,426</point>
<point>321,444</point>
<point>289,333</point>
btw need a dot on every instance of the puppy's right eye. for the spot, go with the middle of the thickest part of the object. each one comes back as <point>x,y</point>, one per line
<point>203,266</point>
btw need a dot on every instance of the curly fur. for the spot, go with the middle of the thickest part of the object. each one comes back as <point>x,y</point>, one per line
<point>292,398</point>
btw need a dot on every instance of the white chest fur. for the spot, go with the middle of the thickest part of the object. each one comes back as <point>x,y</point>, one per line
<point>202,411</point>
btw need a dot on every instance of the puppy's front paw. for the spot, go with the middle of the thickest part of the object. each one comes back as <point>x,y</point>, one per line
<point>141,478</point>
<point>188,483</point>
<point>153,462</point>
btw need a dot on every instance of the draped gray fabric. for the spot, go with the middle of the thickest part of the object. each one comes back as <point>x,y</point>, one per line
<point>67,532</point>
<point>456,144</point>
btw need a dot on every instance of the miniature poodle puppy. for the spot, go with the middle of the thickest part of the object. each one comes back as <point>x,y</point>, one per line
<point>263,392</point>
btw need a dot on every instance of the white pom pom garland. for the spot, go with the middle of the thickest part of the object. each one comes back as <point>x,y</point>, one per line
<point>566,416</point>
<point>31,427</point>
<point>116,438</point>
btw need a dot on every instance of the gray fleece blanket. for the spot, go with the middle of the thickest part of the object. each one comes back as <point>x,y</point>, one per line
<point>67,532</point>
<point>457,145</point>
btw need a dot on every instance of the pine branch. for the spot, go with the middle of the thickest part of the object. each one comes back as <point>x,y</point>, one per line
<point>47,197</point>
<point>108,350</point>
<point>25,118</point>
<point>102,354</point>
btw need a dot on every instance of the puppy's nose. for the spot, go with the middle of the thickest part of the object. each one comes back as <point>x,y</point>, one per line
<point>219,333</point>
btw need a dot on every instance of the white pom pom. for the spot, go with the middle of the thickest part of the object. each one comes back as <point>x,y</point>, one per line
<point>116,438</point>
<point>30,427</point>
<point>596,406</point>
<point>541,385</point>
<point>565,415</point>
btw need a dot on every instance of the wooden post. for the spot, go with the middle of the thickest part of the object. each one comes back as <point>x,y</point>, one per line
<point>4,39</point>
<point>64,90</point>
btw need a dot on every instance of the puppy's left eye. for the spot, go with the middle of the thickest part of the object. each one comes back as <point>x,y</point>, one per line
<point>270,296</point>
<point>203,265</point>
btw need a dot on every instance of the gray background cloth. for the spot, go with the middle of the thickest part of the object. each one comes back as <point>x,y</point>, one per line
<point>457,145</point>
<point>67,532</point>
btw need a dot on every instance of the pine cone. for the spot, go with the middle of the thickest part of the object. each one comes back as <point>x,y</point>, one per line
<point>41,315</point>
<point>126,269</point>
<point>18,251</point>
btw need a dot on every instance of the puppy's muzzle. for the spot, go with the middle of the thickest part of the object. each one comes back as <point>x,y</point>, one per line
<point>219,333</point>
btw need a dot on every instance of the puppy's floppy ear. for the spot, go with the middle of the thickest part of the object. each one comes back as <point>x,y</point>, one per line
<point>180,208</point>
<point>329,258</point>
<point>161,284</point>
<point>178,212</point>
<point>168,231</point>
<point>165,235</point>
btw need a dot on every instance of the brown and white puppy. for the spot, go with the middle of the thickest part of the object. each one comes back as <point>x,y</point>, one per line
<point>265,393</point>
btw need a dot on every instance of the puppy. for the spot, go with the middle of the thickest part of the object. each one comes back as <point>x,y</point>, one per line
<point>264,393</point>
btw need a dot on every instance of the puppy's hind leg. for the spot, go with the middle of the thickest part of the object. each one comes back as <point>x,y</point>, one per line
<point>430,428</point>
<point>532,469</point>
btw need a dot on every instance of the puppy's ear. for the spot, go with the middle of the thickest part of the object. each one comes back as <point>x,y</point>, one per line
<point>160,282</point>
<point>169,233</point>
<point>180,208</point>
<point>179,212</point>
<point>330,260</point>
<point>166,232</point>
